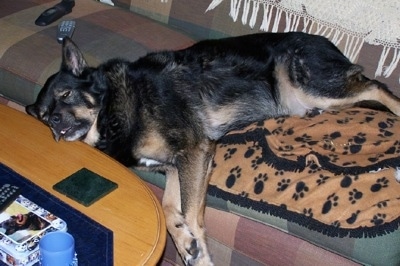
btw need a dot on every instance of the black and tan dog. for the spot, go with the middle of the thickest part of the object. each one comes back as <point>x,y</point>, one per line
<point>165,111</point>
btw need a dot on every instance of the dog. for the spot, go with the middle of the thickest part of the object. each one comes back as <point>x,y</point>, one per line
<point>166,110</point>
<point>27,221</point>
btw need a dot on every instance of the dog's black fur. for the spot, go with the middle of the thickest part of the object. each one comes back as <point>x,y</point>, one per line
<point>166,110</point>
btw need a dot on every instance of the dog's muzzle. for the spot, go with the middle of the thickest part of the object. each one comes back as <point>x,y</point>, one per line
<point>62,125</point>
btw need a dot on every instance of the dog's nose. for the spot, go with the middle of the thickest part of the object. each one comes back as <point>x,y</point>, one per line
<point>55,118</point>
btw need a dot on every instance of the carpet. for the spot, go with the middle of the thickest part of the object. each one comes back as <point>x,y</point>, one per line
<point>93,242</point>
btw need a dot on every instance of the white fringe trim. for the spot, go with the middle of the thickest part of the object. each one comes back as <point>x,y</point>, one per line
<point>350,41</point>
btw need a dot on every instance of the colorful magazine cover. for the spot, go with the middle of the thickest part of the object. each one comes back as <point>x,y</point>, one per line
<point>22,224</point>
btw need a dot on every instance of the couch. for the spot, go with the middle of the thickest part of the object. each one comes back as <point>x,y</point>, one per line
<point>317,190</point>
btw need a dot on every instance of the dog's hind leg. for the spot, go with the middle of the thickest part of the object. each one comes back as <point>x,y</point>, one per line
<point>378,92</point>
<point>184,203</point>
<point>366,90</point>
<point>359,91</point>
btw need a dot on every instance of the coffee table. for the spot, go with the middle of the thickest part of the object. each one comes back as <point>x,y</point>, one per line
<point>131,211</point>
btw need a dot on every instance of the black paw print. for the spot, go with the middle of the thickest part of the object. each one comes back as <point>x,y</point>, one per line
<point>344,121</point>
<point>378,219</point>
<point>332,201</point>
<point>328,145</point>
<point>279,172</point>
<point>355,144</point>
<point>348,180</point>
<point>283,185</point>
<point>280,120</point>
<point>370,112</point>
<point>395,149</point>
<point>285,148</point>
<point>375,158</point>
<point>353,218</point>
<point>229,152</point>
<point>359,138</point>
<point>288,132</point>
<point>301,189</point>
<point>251,150</point>
<point>321,179</point>
<point>328,140</point>
<point>222,145</point>
<point>380,183</point>
<point>234,174</point>
<point>384,126</point>
<point>382,204</point>
<point>350,163</point>
<point>308,212</point>
<point>367,119</point>
<point>355,195</point>
<point>306,139</point>
<point>259,183</point>
<point>352,112</point>
<point>256,162</point>
<point>277,131</point>
<point>313,168</point>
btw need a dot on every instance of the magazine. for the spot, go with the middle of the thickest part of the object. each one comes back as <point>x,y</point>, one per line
<point>22,224</point>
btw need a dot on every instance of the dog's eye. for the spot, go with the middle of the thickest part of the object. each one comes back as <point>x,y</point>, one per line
<point>66,94</point>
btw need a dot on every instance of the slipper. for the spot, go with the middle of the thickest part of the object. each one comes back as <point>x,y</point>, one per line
<point>52,14</point>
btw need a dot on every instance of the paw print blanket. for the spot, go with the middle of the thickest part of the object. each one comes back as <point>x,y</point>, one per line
<point>333,172</point>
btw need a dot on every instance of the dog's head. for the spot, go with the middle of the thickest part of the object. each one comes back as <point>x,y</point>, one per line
<point>23,221</point>
<point>15,223</point>
<point>69,102</point>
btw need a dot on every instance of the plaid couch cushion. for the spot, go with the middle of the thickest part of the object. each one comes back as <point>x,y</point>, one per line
<point>29,54</point>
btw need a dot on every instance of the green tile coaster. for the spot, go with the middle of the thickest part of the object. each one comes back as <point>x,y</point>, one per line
<point>85,187</point>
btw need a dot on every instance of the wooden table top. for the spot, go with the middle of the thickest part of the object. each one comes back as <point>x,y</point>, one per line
<point>131,211</point>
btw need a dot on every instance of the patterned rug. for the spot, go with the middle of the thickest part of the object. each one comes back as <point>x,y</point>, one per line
<point>93,242</point>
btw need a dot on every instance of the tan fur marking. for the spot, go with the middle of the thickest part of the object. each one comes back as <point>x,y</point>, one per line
<point>294,101</point>
<point>153,144</point>
<point>221,116</point>
<point>90,98</point>
<point>93,135</point>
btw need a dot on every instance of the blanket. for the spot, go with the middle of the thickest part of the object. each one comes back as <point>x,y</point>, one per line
<point>333,172</point>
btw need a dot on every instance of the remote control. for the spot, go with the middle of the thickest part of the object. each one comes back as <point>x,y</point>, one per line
<point>8,193</point>
<point>65,28</point>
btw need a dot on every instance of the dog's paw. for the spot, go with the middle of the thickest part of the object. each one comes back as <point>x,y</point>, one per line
<point>196,255</point>
<point>192,253</point>
<point>190,249</point>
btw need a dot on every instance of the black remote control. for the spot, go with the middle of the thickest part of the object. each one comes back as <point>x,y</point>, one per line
<point>8,193</point>
<point>65,29</point>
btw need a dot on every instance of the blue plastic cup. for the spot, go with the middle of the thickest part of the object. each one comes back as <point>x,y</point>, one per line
<point>57,249</point>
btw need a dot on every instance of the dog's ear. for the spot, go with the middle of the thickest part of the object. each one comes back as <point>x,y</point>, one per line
<point>40,109</point>
<point>72,58</point>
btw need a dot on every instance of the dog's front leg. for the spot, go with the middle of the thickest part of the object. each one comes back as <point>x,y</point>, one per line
<point>184,203</point>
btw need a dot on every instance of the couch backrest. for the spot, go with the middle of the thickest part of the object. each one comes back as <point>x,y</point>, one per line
<point>218,18</point>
